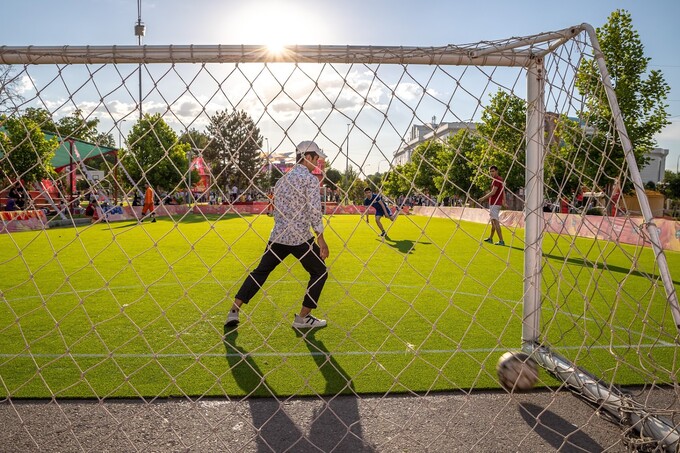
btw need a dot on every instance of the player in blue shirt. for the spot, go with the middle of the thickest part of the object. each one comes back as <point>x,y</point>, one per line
<point>381,210</point>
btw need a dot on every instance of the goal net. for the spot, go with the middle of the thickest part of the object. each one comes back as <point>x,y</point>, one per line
<point>113,312</point>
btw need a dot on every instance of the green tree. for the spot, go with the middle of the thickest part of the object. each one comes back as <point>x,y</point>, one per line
<point>155,155</point>
<point>196,139</point>
<point>76,126</point>
<point>398,181</point>
<point>671,186</point>
<point>42,118</point>
<point>332,177</point>
<point>352,186</point>
<point>73,126</point>
<point>500,142</point>
<point>425,160</point>
<point>375,181</point>
<point>641,95</point>
<point>567,165</point>
<point>235,150</point>
<point>25,152</point>
<point>454,164</point>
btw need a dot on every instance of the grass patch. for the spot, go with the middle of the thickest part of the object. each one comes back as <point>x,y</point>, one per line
<point>127,310</point>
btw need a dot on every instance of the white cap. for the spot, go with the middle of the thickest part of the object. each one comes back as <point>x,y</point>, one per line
<point>309,147</point>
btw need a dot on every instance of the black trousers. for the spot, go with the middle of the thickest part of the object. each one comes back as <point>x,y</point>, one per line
<point>308,254</point>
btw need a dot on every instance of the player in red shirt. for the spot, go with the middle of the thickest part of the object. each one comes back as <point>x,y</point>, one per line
<point>496,199</point>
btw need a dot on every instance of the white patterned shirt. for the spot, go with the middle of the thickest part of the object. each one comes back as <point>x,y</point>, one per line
<point>297,207</point>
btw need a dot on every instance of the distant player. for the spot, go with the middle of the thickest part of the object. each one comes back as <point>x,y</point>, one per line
<point>148,204</point>
<point>496,199</point>
<point>381,210</point>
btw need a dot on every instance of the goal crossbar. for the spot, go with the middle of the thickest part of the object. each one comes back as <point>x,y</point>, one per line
<point>515,52</point>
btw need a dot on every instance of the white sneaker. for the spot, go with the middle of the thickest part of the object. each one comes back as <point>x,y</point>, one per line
<point>232,319</point>
<point>308,322</point>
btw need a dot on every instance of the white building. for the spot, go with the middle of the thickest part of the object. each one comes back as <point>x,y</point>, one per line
<point>656,167</point>
<point>422,133</point>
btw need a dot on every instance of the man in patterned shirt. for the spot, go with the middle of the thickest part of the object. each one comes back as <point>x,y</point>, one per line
<point>297,211</point>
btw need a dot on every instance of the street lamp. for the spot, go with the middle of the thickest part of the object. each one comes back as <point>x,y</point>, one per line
<point>347,155</point>
<point>120,133</point>
<point>269,157</point>
<point>189,192</point>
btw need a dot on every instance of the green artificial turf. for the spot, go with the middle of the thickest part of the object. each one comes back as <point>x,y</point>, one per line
<point>127,310</point>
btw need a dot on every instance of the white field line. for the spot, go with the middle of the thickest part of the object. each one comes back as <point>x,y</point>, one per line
<point>302,354</point>
<point>132,287</point>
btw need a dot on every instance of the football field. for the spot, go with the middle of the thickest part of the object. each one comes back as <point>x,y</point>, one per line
<point>128,310</point>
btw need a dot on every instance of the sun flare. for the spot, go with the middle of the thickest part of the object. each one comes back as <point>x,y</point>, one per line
<point>275,47</point>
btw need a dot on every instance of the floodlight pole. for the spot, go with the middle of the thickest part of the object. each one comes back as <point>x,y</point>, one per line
<point>533,212</point>
<point>140,30</point>
<point>347,155</point>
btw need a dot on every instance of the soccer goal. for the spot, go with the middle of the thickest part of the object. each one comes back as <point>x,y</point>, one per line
<point>122,306</point>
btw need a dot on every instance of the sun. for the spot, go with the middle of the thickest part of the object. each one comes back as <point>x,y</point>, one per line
<point>275,26</point>
<point>276,47</point>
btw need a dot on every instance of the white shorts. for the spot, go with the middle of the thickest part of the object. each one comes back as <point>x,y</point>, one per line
<point>495,211</point>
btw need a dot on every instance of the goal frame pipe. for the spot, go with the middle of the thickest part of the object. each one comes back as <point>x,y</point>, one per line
<point>652,229</point>
<point>607,397</point>
<point>515,52</point>
<point>533,203</point>
<point>443,55</point>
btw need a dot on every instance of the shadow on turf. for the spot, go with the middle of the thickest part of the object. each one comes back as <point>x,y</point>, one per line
<point>558,432</point>
<point>336,424</point>
<point>589,264</point>
<point>405,246</point>
<point>613,268</point>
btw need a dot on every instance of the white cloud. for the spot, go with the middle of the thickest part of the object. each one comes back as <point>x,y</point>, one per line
<point>408,91</point>
<point>25,85</point>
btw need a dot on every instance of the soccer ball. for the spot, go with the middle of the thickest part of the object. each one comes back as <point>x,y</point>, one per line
<point>517,371</point>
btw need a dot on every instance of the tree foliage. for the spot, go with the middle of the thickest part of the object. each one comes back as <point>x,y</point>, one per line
<point>234,153</point>
<point>398,180</point>
<point>568,160</point>
<point>26,153</point>
<point>424,160</point>
<point>352,186</point>
<point>500,142</point>
<point>456,165</point>
<point>331,177</point>
<point>671,186</point>
<point>196,139</point>
<point>641,95</point>
<point>155,155</point>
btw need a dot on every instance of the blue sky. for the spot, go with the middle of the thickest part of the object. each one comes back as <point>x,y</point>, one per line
<point>370,22</point>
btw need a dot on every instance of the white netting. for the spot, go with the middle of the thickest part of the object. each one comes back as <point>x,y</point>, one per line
<point>100,303</point>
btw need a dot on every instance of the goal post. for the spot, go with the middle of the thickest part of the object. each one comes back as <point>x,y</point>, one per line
<point>137,311</point>
<point>533,213</point>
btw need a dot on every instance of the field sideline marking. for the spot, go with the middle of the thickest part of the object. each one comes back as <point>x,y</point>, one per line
<point>300,354</point>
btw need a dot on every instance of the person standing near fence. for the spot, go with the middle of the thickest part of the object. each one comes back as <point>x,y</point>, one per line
<point>148,204</point>
<point>297,211</point>
<point>496,199</point>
